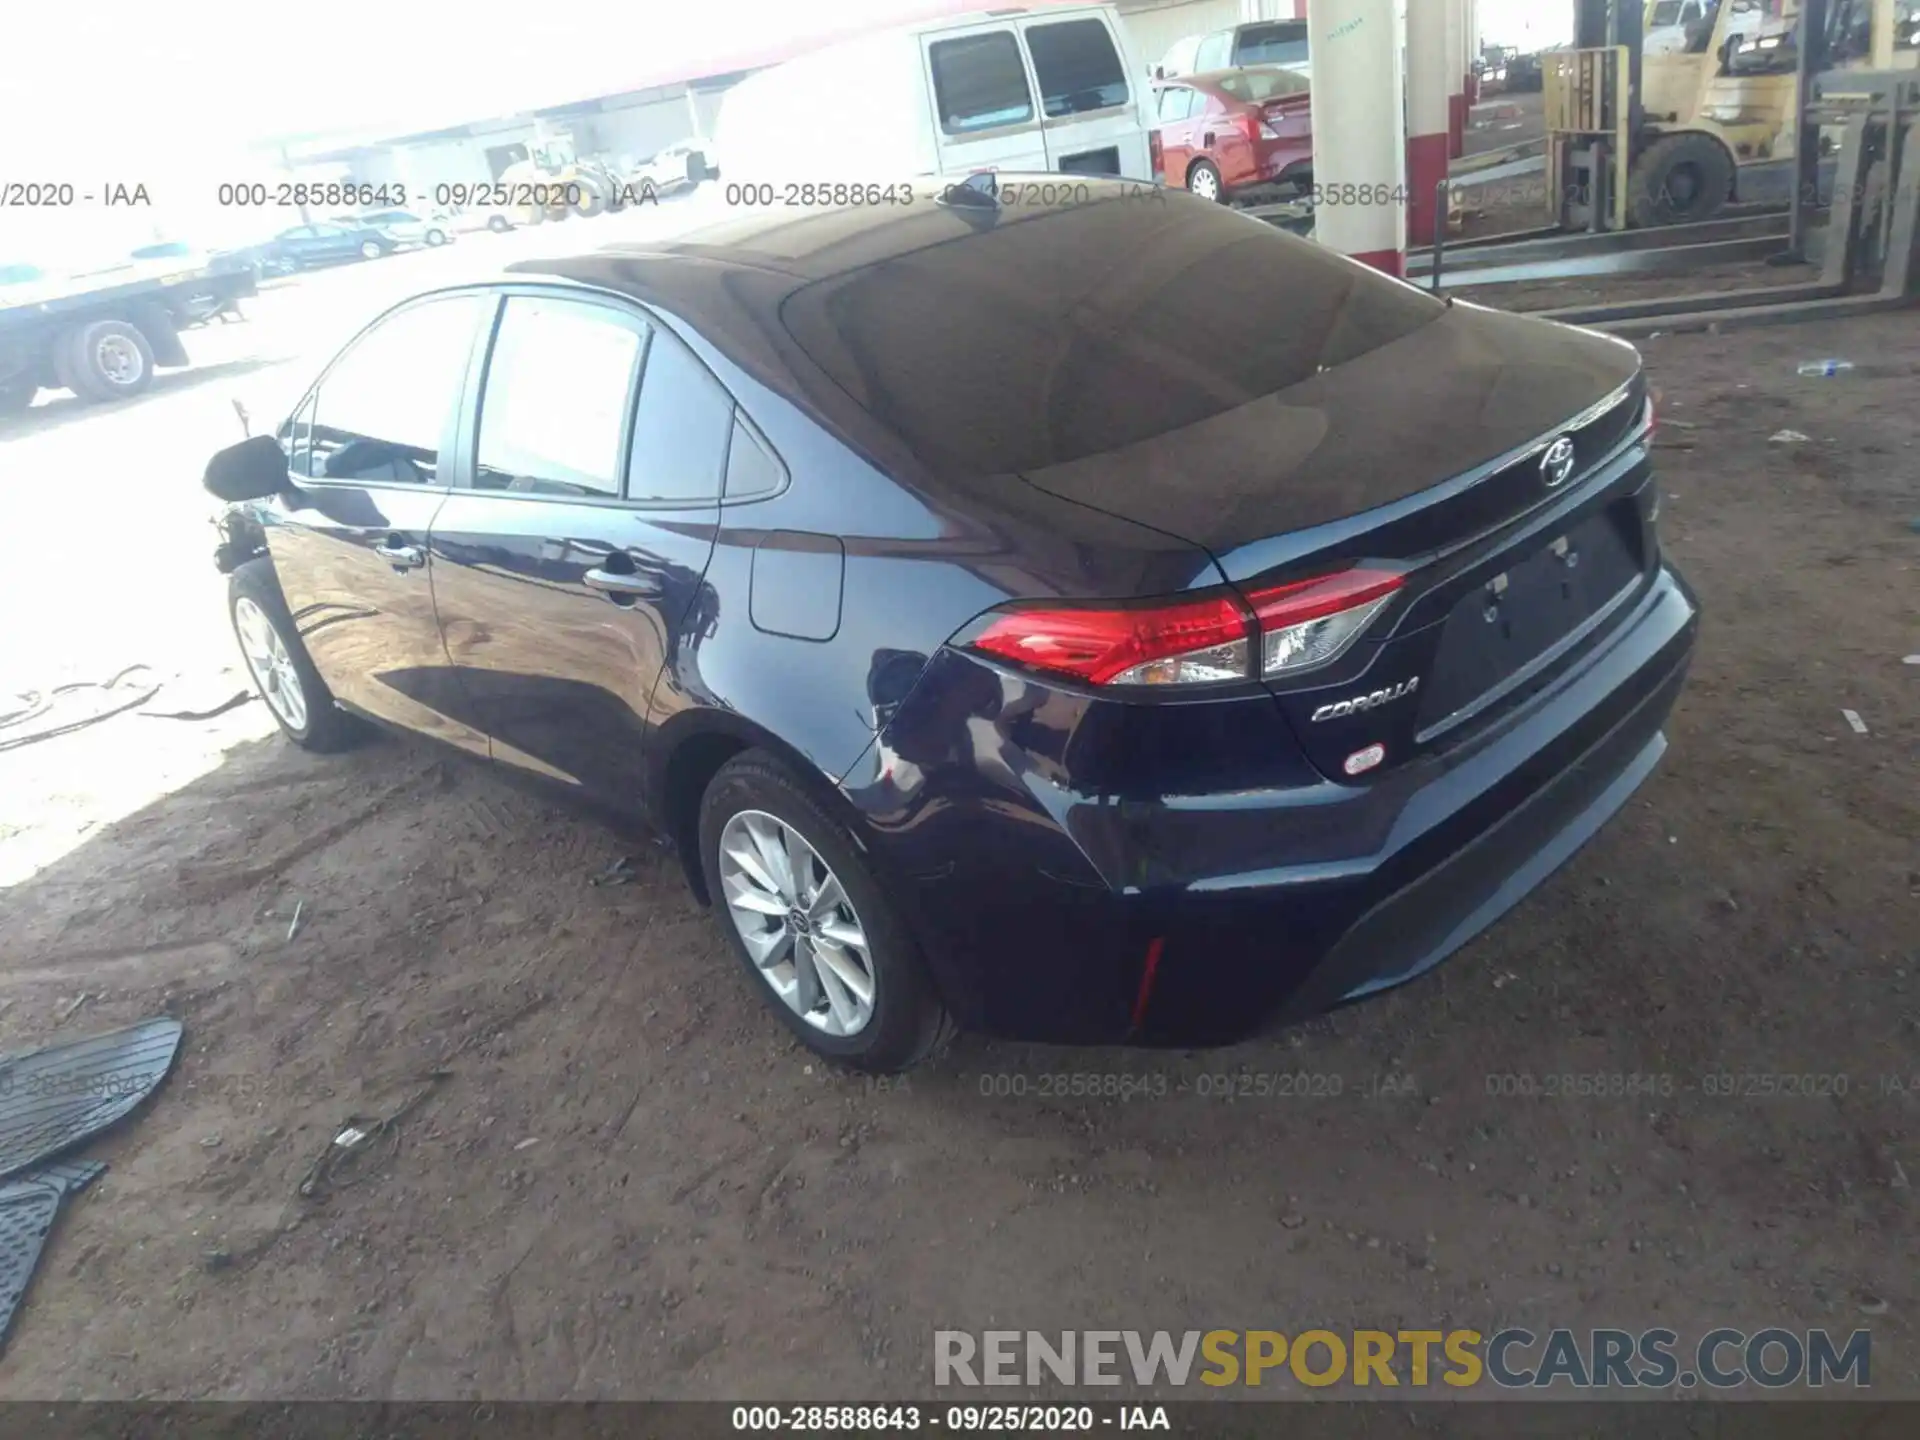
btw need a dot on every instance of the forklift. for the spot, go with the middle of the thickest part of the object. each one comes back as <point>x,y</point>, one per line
<point>1678,133</point>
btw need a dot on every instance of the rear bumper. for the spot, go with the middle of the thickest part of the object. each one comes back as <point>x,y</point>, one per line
<point>1291,900</point>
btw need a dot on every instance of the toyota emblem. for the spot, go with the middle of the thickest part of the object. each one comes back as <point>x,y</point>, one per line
<point>1557,464</point>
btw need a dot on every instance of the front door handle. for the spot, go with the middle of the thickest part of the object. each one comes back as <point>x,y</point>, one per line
<point>613,583</point>
<point>401,557</point>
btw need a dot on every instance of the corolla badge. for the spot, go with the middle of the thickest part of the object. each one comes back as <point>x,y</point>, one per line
<point>1358,703</point>
<point>1557,464</point>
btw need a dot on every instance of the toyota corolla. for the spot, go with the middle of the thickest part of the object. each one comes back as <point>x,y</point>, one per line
<point>1107,621</point>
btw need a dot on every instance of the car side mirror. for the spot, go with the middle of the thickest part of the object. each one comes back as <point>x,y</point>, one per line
<point>252,470</point>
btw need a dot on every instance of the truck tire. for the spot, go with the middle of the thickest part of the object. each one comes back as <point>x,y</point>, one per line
<point>104,360</point>
<point>1679,180</point>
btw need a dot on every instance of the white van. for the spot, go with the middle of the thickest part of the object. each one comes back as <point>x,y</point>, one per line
<point>1055,89</point>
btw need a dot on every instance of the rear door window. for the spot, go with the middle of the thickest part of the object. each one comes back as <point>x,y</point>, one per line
<point>681,429</point>
<point>1077,67</point>
<point>980,82</point>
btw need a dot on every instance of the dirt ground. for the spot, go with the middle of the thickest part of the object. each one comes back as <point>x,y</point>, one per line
<point>629,1183</point>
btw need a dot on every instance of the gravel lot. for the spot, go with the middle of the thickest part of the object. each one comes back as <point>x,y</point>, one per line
<point>628,1183</point>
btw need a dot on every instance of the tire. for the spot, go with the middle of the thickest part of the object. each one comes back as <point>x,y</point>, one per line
<point>905,1021</point>
<point>1203,179</point>
<point>436,237</point>
<point>316,723</point>
<point>499,224</point>
<point>1679,180</point>
<point>106,360</point>
<point>371,249</point>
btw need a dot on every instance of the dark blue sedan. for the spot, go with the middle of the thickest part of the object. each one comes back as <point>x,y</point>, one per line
<point>1112,621</point>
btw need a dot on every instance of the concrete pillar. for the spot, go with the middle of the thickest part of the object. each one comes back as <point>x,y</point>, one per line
<point>1473,53</point>
<point>1429,122</point>
<point>1456,86</point>
<point>1359,140</point>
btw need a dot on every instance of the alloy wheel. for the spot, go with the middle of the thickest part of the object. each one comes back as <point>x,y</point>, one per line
<point>797,922</point>
<point>271,663</point>
<point>1205,183</point>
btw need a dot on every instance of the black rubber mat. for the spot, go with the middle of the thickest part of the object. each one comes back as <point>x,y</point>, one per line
<point>53,1099</point>
<point>28,1208</point>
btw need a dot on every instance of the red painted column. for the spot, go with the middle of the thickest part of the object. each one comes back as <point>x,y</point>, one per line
<point>1359,138</point>
<point>1429,116</point>
<point>1456,77</point>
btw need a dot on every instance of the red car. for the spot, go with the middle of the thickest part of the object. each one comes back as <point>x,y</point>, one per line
<point>1232,130</point>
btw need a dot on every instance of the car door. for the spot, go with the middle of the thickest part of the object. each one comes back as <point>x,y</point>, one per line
<point>1176,136</point>
<point>984,117</point>
<point>296,246</point>
<point>351,545</point>
<point>579,536</point>
<point>1089,113</point>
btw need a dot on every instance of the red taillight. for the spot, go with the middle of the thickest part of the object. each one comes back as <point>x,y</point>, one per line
<point>1156,157</point>
<point>1202,640</point>
<point>1148,645</point>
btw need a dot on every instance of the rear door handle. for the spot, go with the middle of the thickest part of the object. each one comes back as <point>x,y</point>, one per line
<point>401,557</point>
<point>611,582</point>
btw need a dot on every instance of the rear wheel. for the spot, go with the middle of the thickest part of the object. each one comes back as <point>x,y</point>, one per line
<point>1203,179</point>
<point>1679,180</point>
<point>807,918</point>
<point>436,237</point>
<point>499,224</point>
<point>278,662</point>
<point>107,360</point>
<point>371,249</point>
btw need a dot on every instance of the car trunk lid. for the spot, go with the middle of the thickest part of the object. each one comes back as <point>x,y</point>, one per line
<point>1425,456</point>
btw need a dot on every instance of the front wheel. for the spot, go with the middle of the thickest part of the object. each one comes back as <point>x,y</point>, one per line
<point>805,915</point>
<point>277,660</point>
<point>436,237</point>
<point>1679,180</point>
<point>371,249</point>
<point>499,224</point>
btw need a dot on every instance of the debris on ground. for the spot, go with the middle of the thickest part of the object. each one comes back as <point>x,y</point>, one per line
<point>1854,720</point>
<point>1826,368</point>
<point>293,927</point>
<point>620,872</point>
<point>1789,437</point>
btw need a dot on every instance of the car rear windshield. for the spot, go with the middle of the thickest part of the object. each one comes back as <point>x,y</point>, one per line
<point>1272,44</point>
<point>1052,335</point>
<point>1259,86</point>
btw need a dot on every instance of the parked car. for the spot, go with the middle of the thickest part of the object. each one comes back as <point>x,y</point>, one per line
<point>1264,42</point>
<point>1021,90</point>
<point>326,243</point>
<point>673,168</point>
<point>405,227</point>
<point>1668,25</point>
<point>473,219</point>
<point>1236,130</point>
<point>1524,74</point>
<point>1101,621</point>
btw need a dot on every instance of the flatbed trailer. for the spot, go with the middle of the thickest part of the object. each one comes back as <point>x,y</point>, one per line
<point>103,335</point>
